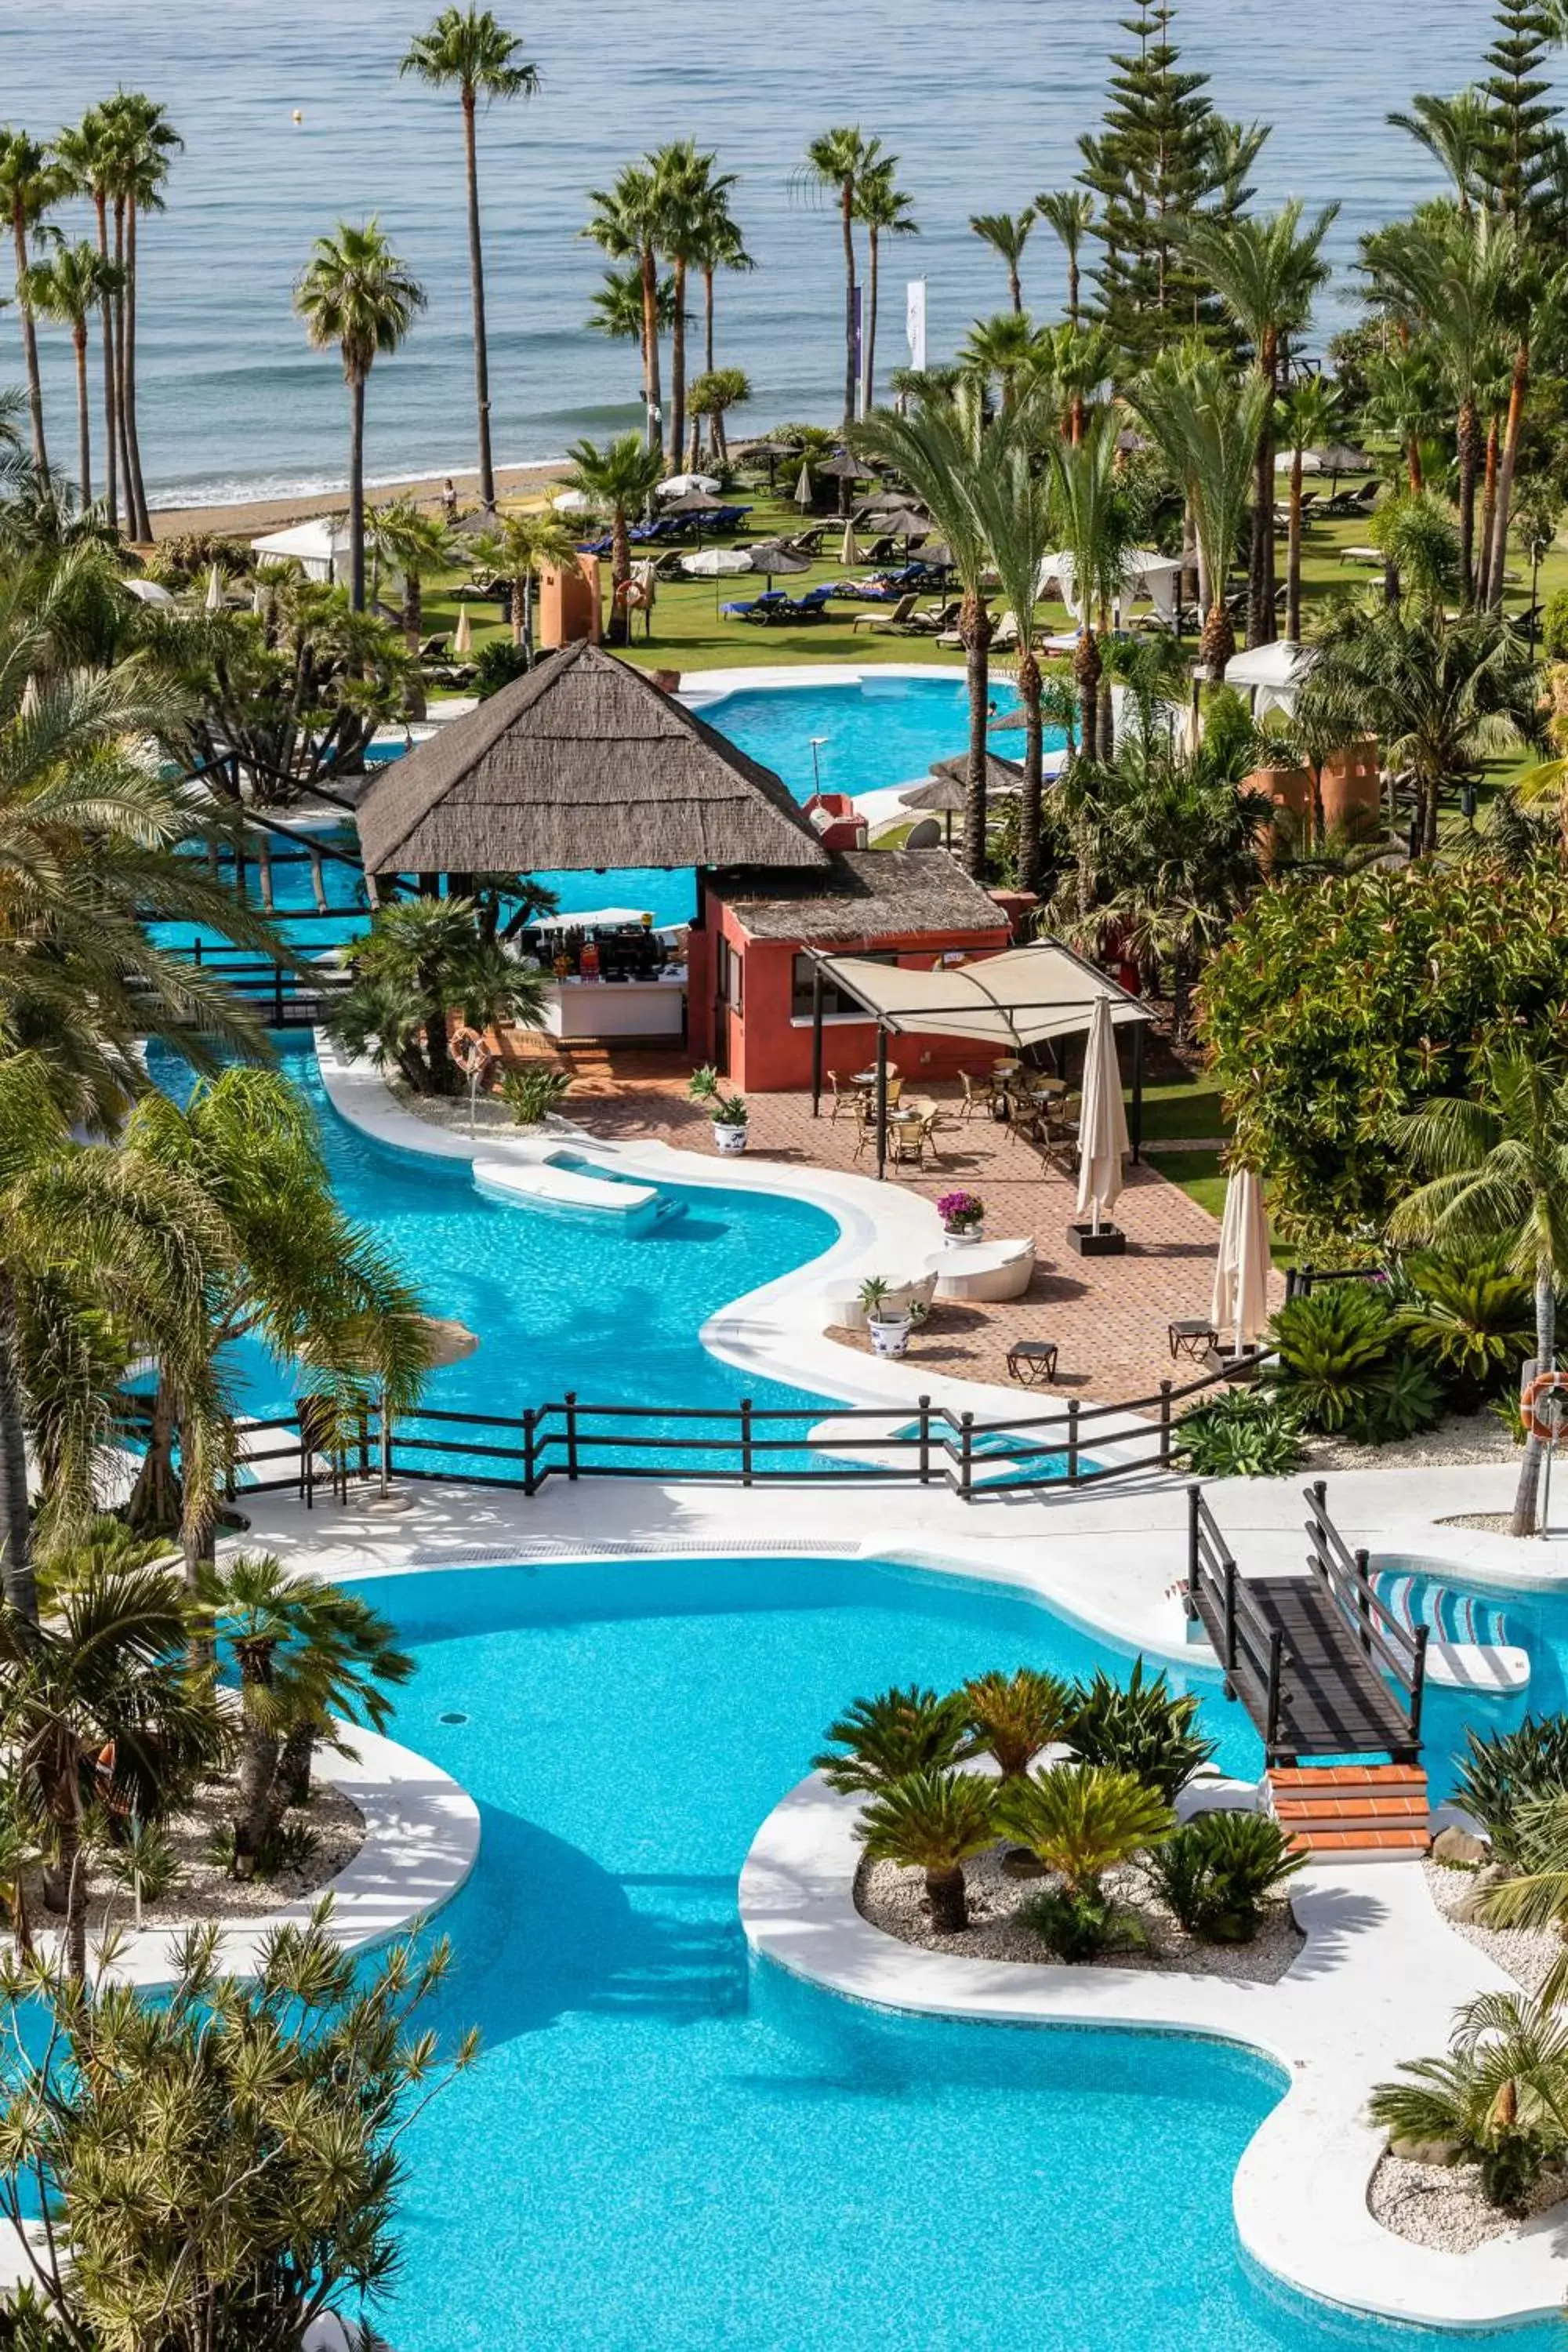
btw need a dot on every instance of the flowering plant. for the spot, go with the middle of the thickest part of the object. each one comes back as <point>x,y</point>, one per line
<point>958,1211</point>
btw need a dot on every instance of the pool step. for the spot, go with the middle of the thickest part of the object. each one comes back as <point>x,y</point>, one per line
<point>1350,1813</point>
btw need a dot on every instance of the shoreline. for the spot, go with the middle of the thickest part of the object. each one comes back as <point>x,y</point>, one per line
<point>252,517</point>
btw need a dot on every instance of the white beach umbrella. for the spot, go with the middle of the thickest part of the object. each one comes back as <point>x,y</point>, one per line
<point>716,563</point>
<point>680,486</point>
<point>851,550</point>
<point>1240,1301</point>
<point>1103,1138</point>
<point>147,592</point>
<point>214,590</point>
<point>570,502</point>
<point>462,635</point>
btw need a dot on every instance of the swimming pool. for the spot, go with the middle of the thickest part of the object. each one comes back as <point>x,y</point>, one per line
<point>665,2147</point>
<point>884,731</point>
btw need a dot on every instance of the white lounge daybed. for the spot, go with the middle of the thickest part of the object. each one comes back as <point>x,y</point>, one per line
<point>985,1272</point>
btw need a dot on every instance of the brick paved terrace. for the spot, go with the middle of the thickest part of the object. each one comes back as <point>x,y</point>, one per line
<point>1108,1316</point>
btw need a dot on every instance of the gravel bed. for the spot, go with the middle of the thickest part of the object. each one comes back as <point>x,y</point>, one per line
<point>894,1899</point>
<point>1526,1953</point>
<point>451,1111</point>
<point>1459,1437</point>
<point>203,1890</point>
<point>1441,2206</point>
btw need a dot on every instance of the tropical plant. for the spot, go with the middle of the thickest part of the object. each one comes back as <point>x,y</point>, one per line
<point>421,960</point>
<point>85,154</point>
<point>416,544</point>
<point>1095,529</point>
<point>70,286</point>
<point>1140,1727</point>
<point>694,228</point>
<point>532,1094</point>
<point>1013,507</point>
<point>139,141</point>
<point>520,549</point>
<point>1499,2098</point>
<point>883,209</point>
<point>302,1652</point>
<point>1083,1821</point>
<point>839,160</point>
<point>880,1740</point>
<point>497,663</point>
<point>1503,1774</point>
<point>620,478</point>
<point>1342,1363</point>
<point>469,49</point>
<point>1471,1315</point>
<point>1244,1432</point>
<point>713,395</point>
<point>627,223</point>
<point>31,182</point>
<point>1070,212</point>
<point>932,1821</point>
<point>355,292</point>
<point>263,2117</point>
<point>706,1085</point>
<point>1209,429</point>
<point>1217,1871</point>
<point>1497,1168</point>
<point>1013,1717</point>
<point>1007,234</point>
<point>1309,415</point>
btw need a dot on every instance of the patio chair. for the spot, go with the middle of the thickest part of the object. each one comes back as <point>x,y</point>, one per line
<point>933,623</point>
<point>901,614</point>
<point>436,648</point>
<point>841,1100</point>
<point>755,608</point>
<point>813,607</point>
<point>971,1101</point>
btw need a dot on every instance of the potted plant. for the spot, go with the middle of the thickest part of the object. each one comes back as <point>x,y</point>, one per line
<point>889,1327</point>
<point>963,1216</point>
<point>731,1120</point>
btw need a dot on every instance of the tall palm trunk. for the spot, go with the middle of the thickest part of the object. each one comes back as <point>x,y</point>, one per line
<point>1467,439</point>
<point>1034,761</point>
<point>412,634</point>
<point>869,373</point>
<point>106,330</point>
<point>83,413</point>
<point>156,1503</point>
<point>1293,556</point>
<point>120,416</point>
<point>477,283</point>
<point>1085,667</point>
<point>620,577</point>
<point>528,617</point>
<point>975,627</point>
<point>1016,289</point>
<point>257,1772</point>
<point>677,366</point>
<point>847,215</point>
<point>356,491</point>
<point>1488,508</point>
<point>16,1566</point>
<point>1497,561</point>
<point>294,1780</point>
<point>708,361</point>
<point>1260,578</point>
<point>29,341</point>
<point>949,1900</point>
<point>650,266</point>
<point>1526,1501</point>
<point>1073,282</point>
<point>135,488</point>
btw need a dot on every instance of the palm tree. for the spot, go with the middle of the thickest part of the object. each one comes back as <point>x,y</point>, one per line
<point>1210,428</point>
<point>1440,697</point>
<point>692,198</point>
<point>357,293</point>
<point>1456,132</point>
<point>883,209</point>
<point>85,155</point>
<point>1265,269</point>
<point>1082,1819</point>
<point>898,1732</point>
<point>1499,2099</point>
<point>1014,511</point>
<point>1013,1717</point>
<point>1094,530</point>
<point>627,223</point>
<point>1310,412</point>
<point>1070,211</point>
<point>943,452</point>
<point>518,550</point>
<point>1006,349</point>
<point>933,1821</point>
<point>839,160</point>
<point>31,183</point>
<point>718,244</point>
<point>468,47</point>
<point>287,1266</point>
<point>616,309</point>
<point>1498,1171</point>
<point>141,141</point>
<point>418,545</point>
<point>421,960</point>
<point>713,395</point>
<point>74,282</point>
<point>619,477</point>
<point>1007,234</point>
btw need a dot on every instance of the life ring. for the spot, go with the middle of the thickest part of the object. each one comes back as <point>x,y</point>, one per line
<point>1544,1425</point>
<point>634,596</point>
<point>470,1053</point>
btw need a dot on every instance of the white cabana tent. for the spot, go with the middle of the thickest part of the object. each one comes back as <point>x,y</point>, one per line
<point>1145,572</point>
<point>1026,996</point>
<point>1271,676</point>
<point>320,549</point>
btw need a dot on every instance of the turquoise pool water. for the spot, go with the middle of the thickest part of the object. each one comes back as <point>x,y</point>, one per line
<point>886,731</point>
<point>665,2148</point>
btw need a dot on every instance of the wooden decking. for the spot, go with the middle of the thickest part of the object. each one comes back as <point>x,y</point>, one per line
<point>1334,1701</point>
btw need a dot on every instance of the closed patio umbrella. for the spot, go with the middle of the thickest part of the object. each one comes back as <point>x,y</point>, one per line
<point>1240,1301</point>
<point>1103,1141</point>
<point>850,552</point>
<point>803,489</point>
<point>214,591</point>
<point>462,635</point>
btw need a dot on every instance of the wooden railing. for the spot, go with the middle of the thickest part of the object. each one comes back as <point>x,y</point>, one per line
<point>1390,1648</point>
<point>1248,1642</point>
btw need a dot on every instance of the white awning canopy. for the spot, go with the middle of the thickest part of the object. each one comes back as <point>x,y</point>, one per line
<point>593,919</point>
<point>318,547</point>
<point>1025,996</point>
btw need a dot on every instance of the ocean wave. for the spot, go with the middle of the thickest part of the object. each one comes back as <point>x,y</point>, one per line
<point>261,490</point>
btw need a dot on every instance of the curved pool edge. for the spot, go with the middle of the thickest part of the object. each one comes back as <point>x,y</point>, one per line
<point>1377,1981</point>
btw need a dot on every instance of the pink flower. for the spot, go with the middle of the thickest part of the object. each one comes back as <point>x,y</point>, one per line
<point>961,1208</point>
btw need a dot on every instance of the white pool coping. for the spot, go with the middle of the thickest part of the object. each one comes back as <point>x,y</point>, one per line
<point>1377,1981</point>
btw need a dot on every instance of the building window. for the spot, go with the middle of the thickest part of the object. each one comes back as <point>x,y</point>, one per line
<point>731,976</point>
<point>834,1000</point>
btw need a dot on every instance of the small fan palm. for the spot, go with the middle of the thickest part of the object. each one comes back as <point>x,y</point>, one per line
<point>933,1820</point>
<point>620,478</point>
<point>1499,2100</point>
<point>1082,1819</point>
<point>896,1733</point>
<point>1536,1895</point>
<point>1013,1717</point>
<point>518,550</point>
<point>1007,234</point>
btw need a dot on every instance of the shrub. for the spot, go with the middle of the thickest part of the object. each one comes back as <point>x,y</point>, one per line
<point>1244,1432</point>
<point>883,1739</point>
<point>1013,1717</point>
<point>1554,626</point>
<point>933,1820</point>
<point>530,1094</point>
<point>1216,1872</point>
<point>1470,1315</point>
<point>1082,1819</point>
<point>1504,1772</point>
<point>1343,1365</point>
<point>1078,1927</point>
<point>1496,2100</point>
<point>496,664</point>
<point>1142,1728</point>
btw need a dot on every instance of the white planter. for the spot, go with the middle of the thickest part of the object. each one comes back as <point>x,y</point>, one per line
<point>890,1338</point>
<point>728,1137</point>
<point>964,1236</point>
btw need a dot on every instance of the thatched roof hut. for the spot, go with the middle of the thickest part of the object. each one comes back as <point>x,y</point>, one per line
<point>582,764</point>
<point>864,893</point>
<point>1001,776</point>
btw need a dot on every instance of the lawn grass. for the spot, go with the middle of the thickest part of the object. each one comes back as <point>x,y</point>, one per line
<point>1182,1107</point>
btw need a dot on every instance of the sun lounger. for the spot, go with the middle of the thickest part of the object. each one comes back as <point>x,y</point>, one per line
<point>755,608</point>
<point>902,614</point>
<point>813,607</point>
